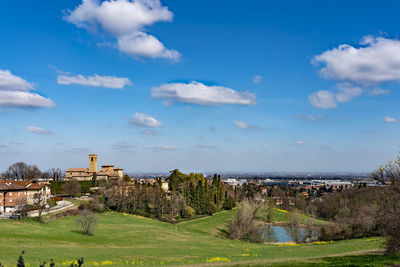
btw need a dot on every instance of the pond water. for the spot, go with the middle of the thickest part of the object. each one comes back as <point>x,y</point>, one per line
<point>285,234</point>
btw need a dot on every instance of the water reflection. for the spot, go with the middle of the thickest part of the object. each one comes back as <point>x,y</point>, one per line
<point>285,234</point>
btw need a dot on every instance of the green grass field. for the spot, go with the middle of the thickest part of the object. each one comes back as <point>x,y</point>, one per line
<point>122,239</point>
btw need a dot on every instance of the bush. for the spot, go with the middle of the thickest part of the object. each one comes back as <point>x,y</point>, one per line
<point>92,205</point>
<point>189,212</point>
<point>228,204</point>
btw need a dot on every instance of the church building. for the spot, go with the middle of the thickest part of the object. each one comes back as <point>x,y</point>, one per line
<point>84,174</point>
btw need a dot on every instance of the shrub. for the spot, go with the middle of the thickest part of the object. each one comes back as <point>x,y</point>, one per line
<point>189,212</point>
<point>228,204</point>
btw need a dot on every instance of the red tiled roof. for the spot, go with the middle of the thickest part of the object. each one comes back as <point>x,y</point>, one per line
<point>12,185</point>
<point>21,185</point>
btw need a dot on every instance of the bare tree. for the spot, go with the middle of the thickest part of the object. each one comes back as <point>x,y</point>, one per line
<point>178,205</point>
<point>269,207</point>
<point>389,175</point>
<point>56,174</point>
<point>22,171</point>
<point>39,201</point>
<point>310,222</point>
<point>244,221</point>
<point>21,207</point>
<point>72,187</point>
<point>87,222</point>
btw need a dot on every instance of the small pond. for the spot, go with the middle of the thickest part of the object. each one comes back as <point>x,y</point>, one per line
<point>286,234</point>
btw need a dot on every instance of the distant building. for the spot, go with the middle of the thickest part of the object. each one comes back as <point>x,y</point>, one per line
<point>17,193</point>
<point>84,174</point>
<point>11,196</point>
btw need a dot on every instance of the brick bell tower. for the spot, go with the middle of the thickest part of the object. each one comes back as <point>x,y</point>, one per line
<point>92,162</point>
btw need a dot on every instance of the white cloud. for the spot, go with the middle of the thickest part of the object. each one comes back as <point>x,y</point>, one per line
<point>24,99</point>
<point>96,80</point>
<point>327,99</point>
<point>16,92</point>
<point>59,71</point>
<point>126,20</point>
<point>257,79</point>
<point>199,93</point>
<point>346,92</point>
<point>301,142</point>
<point>37,130</point>
<point>144,120</point>
<point>11,82</point>
<point>378,91</point>
<point>388,119</point>
<point>243,125</point>
<point>377,60</point>
<point>142,44</point>
<point>323,99</point>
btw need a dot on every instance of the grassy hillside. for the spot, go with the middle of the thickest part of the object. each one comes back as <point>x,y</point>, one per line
<point>126,239</point>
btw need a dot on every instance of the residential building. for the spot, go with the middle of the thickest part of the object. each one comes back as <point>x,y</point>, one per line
<point>16,193</point>
<point>12,195</point>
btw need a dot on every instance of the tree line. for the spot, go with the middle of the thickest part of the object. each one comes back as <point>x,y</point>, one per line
<point>188,195</point>
<point>23,171</point>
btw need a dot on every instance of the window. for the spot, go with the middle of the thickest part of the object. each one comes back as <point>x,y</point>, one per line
<point>10,194</point>
<point>10,200</point>
<point>19,193</point>
<point>91,159</point>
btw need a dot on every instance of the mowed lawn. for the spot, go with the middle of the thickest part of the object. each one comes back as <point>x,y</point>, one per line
<point>122,239</point>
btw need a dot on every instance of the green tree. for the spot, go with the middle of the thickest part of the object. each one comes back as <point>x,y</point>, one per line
<point>94,179</point>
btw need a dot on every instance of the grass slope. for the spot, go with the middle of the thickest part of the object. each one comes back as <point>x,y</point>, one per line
<point>127,239</point>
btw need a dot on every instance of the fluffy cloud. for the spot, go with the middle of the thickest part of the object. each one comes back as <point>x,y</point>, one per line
<point>37,130</point>
<point>142,44</point>
<point>11,82</point>
<point>199,93</point>
<point>257,79</point>
<point>322,99</point>
<point>377,60</point>
<point>389,119</point>
<point>96,80</point>
<point>327,99</point>
<point>346,92</point>
<point>144,120</point>
<point>126,20</point>
<point>243,125</point>
<point>374,61</point>
<point>16,92</point>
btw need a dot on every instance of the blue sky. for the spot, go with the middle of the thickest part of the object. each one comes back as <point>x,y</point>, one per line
<point>200,85</point>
